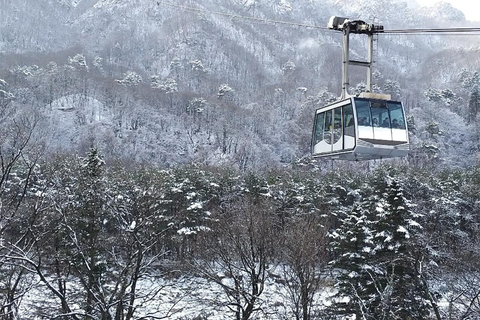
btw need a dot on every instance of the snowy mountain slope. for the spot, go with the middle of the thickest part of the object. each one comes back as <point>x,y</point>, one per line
<point>271,69</point>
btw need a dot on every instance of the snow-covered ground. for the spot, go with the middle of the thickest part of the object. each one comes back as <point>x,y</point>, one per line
<point>185,297</point>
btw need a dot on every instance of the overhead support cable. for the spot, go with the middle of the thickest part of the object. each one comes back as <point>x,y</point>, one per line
<point>430,30</point>
<point>240,17</point>
<point>419,31</point>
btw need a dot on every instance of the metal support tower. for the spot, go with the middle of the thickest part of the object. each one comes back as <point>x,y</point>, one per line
<point>358,27</point>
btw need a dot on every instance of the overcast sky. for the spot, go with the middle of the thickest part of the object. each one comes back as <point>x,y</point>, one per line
<point>471,8</point>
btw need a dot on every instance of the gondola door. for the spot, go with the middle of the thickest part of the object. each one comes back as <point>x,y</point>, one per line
<point>334,130</point>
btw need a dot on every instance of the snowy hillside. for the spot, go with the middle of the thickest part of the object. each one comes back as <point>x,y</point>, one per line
<point>157,69</point>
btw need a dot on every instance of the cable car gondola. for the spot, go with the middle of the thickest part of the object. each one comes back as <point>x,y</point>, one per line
<point>370,126</point>
<point>364,127</point>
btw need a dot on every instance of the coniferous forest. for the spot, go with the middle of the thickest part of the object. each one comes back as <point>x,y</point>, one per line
<point>155,164</point>
<point>109,240</point>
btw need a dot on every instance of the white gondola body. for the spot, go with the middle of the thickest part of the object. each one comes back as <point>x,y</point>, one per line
<point>360,129</point>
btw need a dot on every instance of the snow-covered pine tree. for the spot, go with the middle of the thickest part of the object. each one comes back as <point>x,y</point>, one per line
<point>399,288</point>
<point>473,104</point>
<point>352,245</point>
<point>89,225</point>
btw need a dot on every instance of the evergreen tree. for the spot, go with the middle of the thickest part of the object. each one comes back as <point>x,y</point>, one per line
<point>376,257</point>
<point>473,105</point>
<point>352,244</point>
<point>89,224</point>
<point>399,289</point>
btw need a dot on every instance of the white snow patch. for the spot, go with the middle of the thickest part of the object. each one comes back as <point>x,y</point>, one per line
<point>186,231</point>
<point>39,194</point>
<point>414,224</point>
<point>196,205</point>
<point>308,43</point>
<point>133,225</point>
<point>191,195</point>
